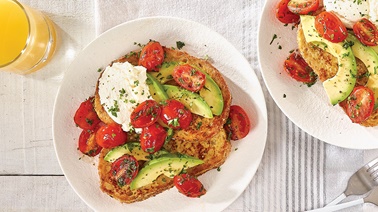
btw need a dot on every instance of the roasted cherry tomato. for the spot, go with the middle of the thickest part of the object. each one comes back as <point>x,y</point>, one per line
<point>298,69</point>
<point>237,125</point>
<point>87,143</point>
<point>359,105</point>
<point>189,78</point>
<point>152,138</point>
<point>145,114</point>
<point>175,115</point>
<point>303,7</point>
<point>85,117</point>
<point>330,27</point>
<point>189,185</point>
<point>124,169</point>
<point>283,13</point>
<point>366,32</point>
<point>110,136</point>
<point>151,56</point>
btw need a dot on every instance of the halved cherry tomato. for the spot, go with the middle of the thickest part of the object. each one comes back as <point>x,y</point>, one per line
<point>85,117</point>
<point>366,32</point>
<point>330,27</point>
<point>189,78</point>
<point>124,169</point>
<point>237,125</point>
<point>152,138</point>
<point>303,7</point>
<point>359,105</point>
<point>87,143</point>
<point>145,114</point>
<point>298,69</point>
<point>283,13</point>
<point>110,136</point>
<point>189,185</point>
<point>175,115</point>
<point>151,56</point>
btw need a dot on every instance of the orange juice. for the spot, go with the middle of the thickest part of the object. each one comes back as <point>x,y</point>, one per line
<point>27,38</point>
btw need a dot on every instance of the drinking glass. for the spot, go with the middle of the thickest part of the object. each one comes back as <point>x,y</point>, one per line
<point>27,38</point>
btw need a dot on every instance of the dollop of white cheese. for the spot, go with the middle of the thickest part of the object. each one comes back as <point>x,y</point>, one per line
<point>349,11</point>
<point>121,88</point>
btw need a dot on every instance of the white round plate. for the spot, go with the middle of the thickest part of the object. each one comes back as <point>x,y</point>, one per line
<point>307,107</point>
<point>223,186</point>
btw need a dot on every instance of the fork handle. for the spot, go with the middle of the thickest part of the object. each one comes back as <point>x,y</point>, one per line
<point>337,200</point>
<point>339,207</point>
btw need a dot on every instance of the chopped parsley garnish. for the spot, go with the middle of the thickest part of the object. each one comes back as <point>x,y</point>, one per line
<point>274,37</point>
<point>180,44</point>
<point>114,109</point>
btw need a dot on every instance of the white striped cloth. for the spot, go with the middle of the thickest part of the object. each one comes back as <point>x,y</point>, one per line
<point>297,172</point>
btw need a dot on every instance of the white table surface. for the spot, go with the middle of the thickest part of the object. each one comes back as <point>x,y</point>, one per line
<point>30,176</point>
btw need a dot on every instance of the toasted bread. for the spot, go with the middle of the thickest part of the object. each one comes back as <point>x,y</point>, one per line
<point>328,67</point>
<point>212,151</point>
<point>208,142</point>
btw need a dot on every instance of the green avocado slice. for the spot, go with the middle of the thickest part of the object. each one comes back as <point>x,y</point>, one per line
<point>370,58</point>
<point>169,165</point>
<point>192,101</point>
<point>341,85</point>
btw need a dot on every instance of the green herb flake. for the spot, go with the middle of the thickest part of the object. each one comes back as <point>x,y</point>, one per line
<point>180,44</point>
<point>274,37</point>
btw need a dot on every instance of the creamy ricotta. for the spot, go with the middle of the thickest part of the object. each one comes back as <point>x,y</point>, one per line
<point>349,11</point>
<point>122,87</point>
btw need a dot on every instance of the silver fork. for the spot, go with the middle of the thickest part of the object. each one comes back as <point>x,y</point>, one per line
<point>371,198</point>
<point>360,182</point>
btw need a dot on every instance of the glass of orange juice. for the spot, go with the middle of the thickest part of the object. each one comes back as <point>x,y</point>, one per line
<point>27,38</point>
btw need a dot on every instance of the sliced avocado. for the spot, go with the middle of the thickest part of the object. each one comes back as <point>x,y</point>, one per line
<point>156,89</point>
<point>131,148</point>
<point>375,48</point>
<point>341,85</point>
<point>370,58</point>
<point>169,165</point>
<point>165,72</point>
<point>192,101</point>
<point>212,94</point>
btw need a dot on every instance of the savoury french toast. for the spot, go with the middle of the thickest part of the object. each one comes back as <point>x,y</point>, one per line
<point>212,151</point>
<point>328,67</point>
<point>204,139</point>
<point>201,128</point>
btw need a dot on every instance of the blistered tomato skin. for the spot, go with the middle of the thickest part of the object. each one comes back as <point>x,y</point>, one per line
<point>151,56</point>
<point>124,170</point>
<point>301,7</point>
<point>152,138</point>
<point>110,136</point>
<point>284,15</point>
<point>145,114</point>
<point>237,125</point>
<point>330,27</point>
<point>359,105</point>
<point>85,116</point>
<point>299,70</point>
<point>87,143</point>
<point>366,32</point>
<point>175,115</point>
<point>189,78</point>
<point>189,185</point>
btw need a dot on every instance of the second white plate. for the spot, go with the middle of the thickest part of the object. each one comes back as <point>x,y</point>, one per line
<point>307,107</point>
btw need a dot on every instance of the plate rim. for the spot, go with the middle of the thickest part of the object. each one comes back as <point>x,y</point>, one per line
<point>278,102</point>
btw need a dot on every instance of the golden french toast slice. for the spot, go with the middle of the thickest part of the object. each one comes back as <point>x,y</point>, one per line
<point>205,139</point>
<point>212,151</point>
